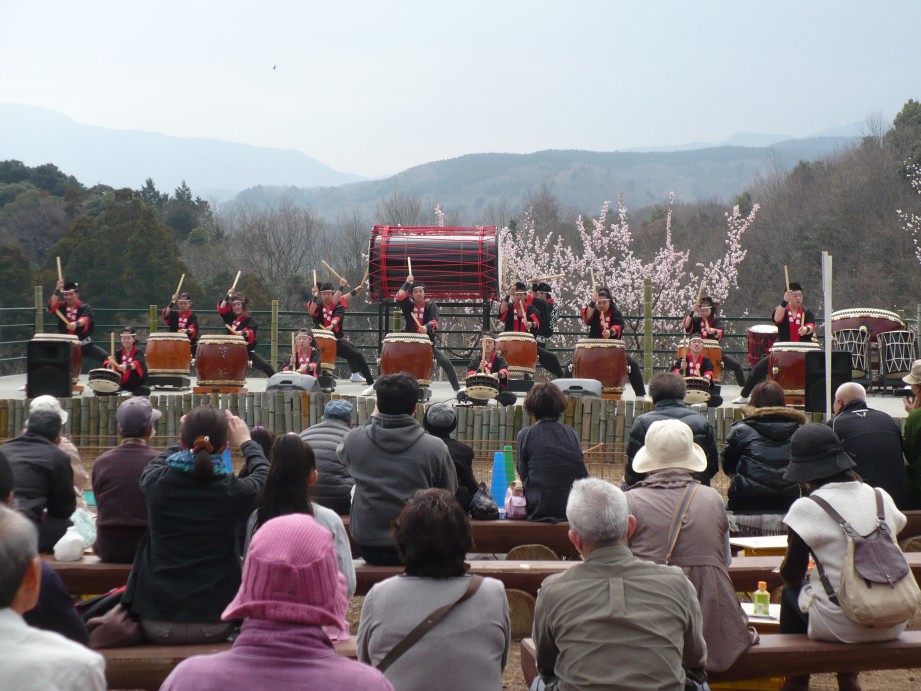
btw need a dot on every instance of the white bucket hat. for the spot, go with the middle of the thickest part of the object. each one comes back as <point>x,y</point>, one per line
<point>670,446</point>
<point>48,403</point>
<point>913,377</point>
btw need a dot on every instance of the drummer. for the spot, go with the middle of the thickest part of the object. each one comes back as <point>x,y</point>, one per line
<point>523,315</point>
<point>794,324</point>
<point>703,320</point>
<point>305,359</point>
<point>344,296</point>
<point>696,364</point>
<point>130,363</point>
<point>182,320</point>
<point>233,312</point>
<point>78,318</point>
<point>605,321</point>
<point>542,299</point>
<point>489,361</point>
<point>420,316</point>
<point>328,314</point>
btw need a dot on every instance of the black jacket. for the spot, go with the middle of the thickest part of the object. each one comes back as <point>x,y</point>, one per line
<point>874,440</point>
<point>42,477</point>
<point>673,409</point>
<point>756,455</point>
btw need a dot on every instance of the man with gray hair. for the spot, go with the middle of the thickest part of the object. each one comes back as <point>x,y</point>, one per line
<point>333,488</point>
<point>31,658</point>
<point>43,480</point>
<point>615,621</point>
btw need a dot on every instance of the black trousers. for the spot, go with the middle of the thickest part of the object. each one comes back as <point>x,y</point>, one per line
<point>91,351</point>
<point>756,376</point>
<point>445,363</point>
<point>734,367</point>
<point>380,556</point>
<point>549,361</point>
<point>260,363</point>
<point>348,352</point>
<point>636,377</point>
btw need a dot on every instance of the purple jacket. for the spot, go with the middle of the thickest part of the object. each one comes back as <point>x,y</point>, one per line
<point>278,656</point>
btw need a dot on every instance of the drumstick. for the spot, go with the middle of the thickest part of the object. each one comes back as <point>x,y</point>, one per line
<point>596,446</point>
<point>331,269</point>
<point>786,276</point>
<point>365,277</point>
<point>63,318</point>
<point>230,329</point>
<point>179,287</point>
<point>546,278</point>
<point>293,350</point>
<point>482,367</point>
<point>234,286</point>
<point>60,274</point>
<point>112,349</point>
<point>700,293</point>
<point>409,265</point>
<point>591,271</point>
<point>315,284</point>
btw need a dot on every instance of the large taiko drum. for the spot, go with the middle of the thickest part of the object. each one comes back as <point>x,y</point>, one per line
<point>712,350</point>
<point>760,339</point>
<point>520,352</point>
<point>406,352</point>
<point>872,320</point>
<point>168,354</point>
<point>603,359</point>
<point>45,349</point>
<point>221,360</point>
<point>325,342</point>
<point>787,366</point>
<point>454,263</point>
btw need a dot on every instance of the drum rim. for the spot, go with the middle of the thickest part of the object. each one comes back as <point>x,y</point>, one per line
<point>793,346</point>
<point>396,337</point>
<point>865,312</point>
<point>221,338</point>
<point>167,336</point>
<point>323,333</point>
<point>516,336</point>
<point>763,328</point>
<point>602,342</point>
<point>55,337</point>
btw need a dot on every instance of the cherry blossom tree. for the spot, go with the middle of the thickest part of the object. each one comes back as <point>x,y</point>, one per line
<point>911,222</point>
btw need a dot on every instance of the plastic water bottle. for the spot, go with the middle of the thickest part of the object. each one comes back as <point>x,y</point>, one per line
<point>499,479</point>
<point>509,463</point>
<point>761,599</point>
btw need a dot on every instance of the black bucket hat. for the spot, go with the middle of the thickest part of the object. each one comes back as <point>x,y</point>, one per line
<point>816,453</point>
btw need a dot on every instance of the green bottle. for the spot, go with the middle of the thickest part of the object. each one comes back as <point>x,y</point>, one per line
<point>509,462</point>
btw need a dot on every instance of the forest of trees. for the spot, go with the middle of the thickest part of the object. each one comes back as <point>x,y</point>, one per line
<point>129,247</point>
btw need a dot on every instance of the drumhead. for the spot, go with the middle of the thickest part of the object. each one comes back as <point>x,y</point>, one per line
<point>323,335</point>
<point>56,337</point>
<point>601,343</point>
<point>763,329</point>
<point>516,336</point>
<point>167,336</point>
<point>397,337</point>
<point>221,338</point>
<point>793,346</point>
<point>866,312</point>
<point>104,380</point>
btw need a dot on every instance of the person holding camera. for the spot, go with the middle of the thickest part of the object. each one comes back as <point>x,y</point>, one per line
<point>911,433</point>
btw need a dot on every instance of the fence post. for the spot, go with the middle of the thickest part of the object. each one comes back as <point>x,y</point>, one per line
<point>153,319</point>
<point>648,340</point>
<point>39,310</point>
<point>273,350</point>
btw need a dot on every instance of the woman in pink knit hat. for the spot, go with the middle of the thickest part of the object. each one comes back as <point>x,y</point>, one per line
<point>291,590</point>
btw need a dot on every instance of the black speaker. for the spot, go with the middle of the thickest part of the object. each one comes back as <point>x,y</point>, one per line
<point>48,369</point>
<point>815,377</point>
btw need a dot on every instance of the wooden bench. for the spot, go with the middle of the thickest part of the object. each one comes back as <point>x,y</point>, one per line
<point>786,654</point>
<point>89,576</point>
<point>147,666</point>
<point>501,536</point>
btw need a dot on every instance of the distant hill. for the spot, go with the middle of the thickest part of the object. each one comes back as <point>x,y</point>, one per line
<point>125,158</point>
<point>581,179</point>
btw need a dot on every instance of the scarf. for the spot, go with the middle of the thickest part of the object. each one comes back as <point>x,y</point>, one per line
<point>184,460</point>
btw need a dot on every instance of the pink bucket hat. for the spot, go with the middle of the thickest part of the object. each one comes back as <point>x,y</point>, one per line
<point>291,575</point>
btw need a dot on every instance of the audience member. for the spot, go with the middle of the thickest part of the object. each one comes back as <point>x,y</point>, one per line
<point>820,465</point>
<point>755,457</point>
<point>54,610</point>
<point>873,440</point>
<point>549,455</point>
<point>287,490</point>
<point>333,488</point>
<point>667,391</point>
<point>697,541</point>
<point>615,621</point>
<point>121,512</point>
<point>390,458</point>
<point>81,477</point>
<point>187,567</point>
<point>289,592</point>
<point>439,421</point>
<point>31,658</point>
<point>264,437</point>
<point>911,442</point>
<point>468,648</point>
<point>43,478</point>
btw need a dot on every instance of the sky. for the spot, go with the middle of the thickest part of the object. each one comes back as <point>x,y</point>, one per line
<point>373,88</point>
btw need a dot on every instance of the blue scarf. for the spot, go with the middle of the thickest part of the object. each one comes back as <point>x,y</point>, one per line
<point>184,460</point>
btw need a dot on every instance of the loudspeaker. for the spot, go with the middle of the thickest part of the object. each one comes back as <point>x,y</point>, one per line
<point>579,388</point>
<point>288,381</point>
<point>815,377</point>
<point>48,369</point>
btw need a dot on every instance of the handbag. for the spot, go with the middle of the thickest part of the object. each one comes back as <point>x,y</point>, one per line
<point>516,506</point>
<point>410,639</point>
<point>482,506</point>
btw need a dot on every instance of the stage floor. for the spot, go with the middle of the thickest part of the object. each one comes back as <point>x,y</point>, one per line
<point>14,387</point>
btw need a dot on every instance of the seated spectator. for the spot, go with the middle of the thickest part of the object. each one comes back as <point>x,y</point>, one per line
<point>820,465</point>
<point>264,437</point>
<point>333,488</point>
<point>549,455</point>
<point>42,476</point>
<point>755,457</point>
<point>290,591</point>
<point>32,658</point>
<point>81,478</point>
<point>615,621</point>
<point>187,567</point>
<point>439,421</point>
<point>287,490</point>
<point>121,512</point>
<point>390,458</point>
<point>701,546</point>
<point>54,610</point>
<point>468,648</point>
